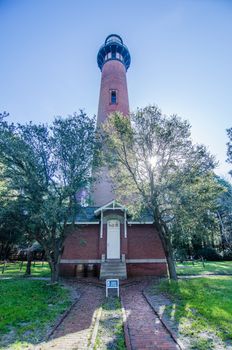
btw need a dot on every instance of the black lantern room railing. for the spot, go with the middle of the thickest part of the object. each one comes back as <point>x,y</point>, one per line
<point>113,49</point>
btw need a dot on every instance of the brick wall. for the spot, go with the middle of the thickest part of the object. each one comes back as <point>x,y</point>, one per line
<point>113,78</point>
<point>82,243</point>
<point>144,243</point>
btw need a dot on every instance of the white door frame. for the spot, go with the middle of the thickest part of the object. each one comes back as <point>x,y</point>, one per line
<point>113,239</point>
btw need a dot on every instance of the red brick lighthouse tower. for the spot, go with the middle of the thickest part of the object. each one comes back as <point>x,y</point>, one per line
<point>105,239</point>
<point>113,60</point>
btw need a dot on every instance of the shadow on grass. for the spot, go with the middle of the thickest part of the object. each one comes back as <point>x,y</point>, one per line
<point>210,267</point>
<point>17,269</point>
<point>198,312</point>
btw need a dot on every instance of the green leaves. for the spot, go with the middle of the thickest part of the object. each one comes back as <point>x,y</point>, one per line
<point>229,147</point>
<point>155,165</point>
<point>46,167</point>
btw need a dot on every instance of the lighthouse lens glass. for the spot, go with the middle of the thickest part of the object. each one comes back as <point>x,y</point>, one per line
<point>114,39</point>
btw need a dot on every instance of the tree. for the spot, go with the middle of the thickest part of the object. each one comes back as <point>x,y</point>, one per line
<point>224,214</point>
<point>155,166</point>
<point>46,167</point>
<point>11,226</point>
<point>196,224</point>
<point>11,220</point>
<point>229,148</point>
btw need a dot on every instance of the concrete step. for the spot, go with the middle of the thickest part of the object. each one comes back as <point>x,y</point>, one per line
<point>121,269</point>
<point>113,274</point>
<point>120,277</point>
<point>113,264</point>
<point>113,269</point>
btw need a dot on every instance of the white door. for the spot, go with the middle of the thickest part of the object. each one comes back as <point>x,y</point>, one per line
<point>113,239</point>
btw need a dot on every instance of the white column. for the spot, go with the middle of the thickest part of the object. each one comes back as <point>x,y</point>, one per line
<point>101,228</point>
<point>125,227</point>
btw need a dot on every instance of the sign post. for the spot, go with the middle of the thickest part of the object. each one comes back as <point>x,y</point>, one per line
<point>112,283</point>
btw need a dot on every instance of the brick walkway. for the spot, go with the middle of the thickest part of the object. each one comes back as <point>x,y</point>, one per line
<point>75,331</point>
<point>145,329</point>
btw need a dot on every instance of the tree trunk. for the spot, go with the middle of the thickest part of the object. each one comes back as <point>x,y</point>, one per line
<point>54,266</point>
<point>53,252</point>
<point>29,260</point>
<point>168,251</point>
<point>6,251</point>
<point>222,231</point>
<point>170,262</point>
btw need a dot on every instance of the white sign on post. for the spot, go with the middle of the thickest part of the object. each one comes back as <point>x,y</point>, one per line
<point>112,284</point>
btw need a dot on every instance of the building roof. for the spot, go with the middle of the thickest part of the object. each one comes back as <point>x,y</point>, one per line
<point>144,217</point>
<point>90,215</point>
<point>86,214</point>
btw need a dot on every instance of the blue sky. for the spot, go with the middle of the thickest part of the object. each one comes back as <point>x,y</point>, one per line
<point>181,59</point>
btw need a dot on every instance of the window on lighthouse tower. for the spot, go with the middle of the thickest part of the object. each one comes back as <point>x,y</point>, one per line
<point>113,97</point>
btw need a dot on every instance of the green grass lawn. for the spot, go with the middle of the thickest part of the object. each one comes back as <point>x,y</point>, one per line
<point>211,267</point>
<point>37,270</point>
<point>27,309</point>
<point>202,308</point>
<point>110,332</point>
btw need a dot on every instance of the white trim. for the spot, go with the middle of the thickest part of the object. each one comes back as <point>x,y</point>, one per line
<point>141,261</point>
<point>103,207</point>
<point>98,261</point>
<point>140,222</point>
<point>125,226</point>
<point>80,261</point>
<point>101,228</point>
<point>97,222</point>
<point>106,207</point>
<point>84,223</point>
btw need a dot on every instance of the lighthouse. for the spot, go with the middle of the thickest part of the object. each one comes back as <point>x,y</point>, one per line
<point>105,240</point>
<point>113,60</point>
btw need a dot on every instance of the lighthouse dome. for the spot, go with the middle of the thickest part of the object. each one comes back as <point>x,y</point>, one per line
<point>113,49</point>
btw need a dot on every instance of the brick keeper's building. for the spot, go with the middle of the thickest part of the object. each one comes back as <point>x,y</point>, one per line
<point>106,241</point>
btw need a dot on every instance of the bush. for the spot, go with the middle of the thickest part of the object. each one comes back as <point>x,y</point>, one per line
<point>209,253</point>
<point>227,255</point>
<point>180,254</point>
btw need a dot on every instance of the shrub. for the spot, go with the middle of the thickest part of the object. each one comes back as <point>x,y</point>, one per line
<point>227,255</point>
<point>180,254</point>
<point>209,253</point>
